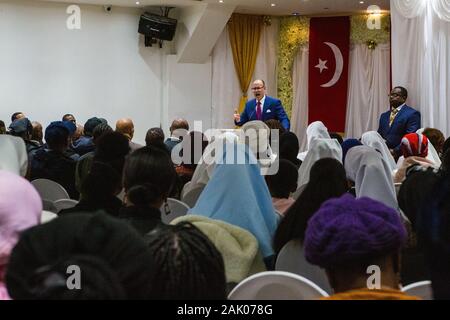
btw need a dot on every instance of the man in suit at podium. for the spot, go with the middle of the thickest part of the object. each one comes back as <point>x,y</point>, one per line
<point>398,121</point>
<point>262,108</point>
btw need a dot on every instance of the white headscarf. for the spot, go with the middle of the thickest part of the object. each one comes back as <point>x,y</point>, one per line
<point>371,174</point>
<point>13,153</point>
<point>373,139</point>
<point>432,153</point>
<point>319,149</point>
<point>315,130</point>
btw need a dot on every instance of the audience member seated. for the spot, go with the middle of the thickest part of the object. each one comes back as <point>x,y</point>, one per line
<point>23,128</point>
<point>282,184</point>
<point>327,180</point>
<point>52,163</point>
<point>37,134</point>
<point>188,265</point>
<point>126,127</point>
<point>178,130</point>
<point>239,248</point>
<point>17,115</point>
<point>237,194</point>
<point>85,143</point>
<point>347,145</point>
<point>347,236</point>
<point>84,162</point>
<point>99,191</point>
<point>366,168</point>
<point>2,127</point>
<point>77,135</point>
<point>436,137</point>
<point>373,139</point>
<point>412,198</point>
<point>289,148</point>
<point>315,130</point>
<point>148,178</point>
<point>20,209</point>
<point>154,135</point>
<point>113,259</point>
<point>69,117</point>
<point>433,224</point>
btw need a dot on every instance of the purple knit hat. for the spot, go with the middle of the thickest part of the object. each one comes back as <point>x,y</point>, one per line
<point>347,230</point>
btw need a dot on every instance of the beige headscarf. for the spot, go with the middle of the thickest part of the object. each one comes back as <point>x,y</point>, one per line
<point>13,155</point>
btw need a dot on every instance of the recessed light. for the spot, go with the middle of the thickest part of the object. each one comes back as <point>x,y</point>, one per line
<point>273,5</point>
<point>295,13</point>
<point>221,1</point>
<point>138,3</point>
<point>362,2</point>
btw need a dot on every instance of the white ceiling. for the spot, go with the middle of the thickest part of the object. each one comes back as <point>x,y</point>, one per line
<point>282,7</point>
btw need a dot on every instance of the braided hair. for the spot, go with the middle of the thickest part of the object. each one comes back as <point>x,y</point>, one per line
<point>188,264</point>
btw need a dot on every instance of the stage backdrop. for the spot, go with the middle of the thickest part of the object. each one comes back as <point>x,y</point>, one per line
<point>329,43</point>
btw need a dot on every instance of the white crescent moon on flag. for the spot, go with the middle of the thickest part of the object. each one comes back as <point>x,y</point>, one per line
<point>339,65</point>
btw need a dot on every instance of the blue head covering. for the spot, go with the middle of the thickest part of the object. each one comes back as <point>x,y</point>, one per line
<point>347,145</point>
<point>237,194</point>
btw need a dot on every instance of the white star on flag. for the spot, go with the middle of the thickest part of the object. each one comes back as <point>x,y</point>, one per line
<point>322,65</point>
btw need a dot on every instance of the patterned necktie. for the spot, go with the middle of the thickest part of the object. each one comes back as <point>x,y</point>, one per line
<point>392,117</point>
<point>258,110</point>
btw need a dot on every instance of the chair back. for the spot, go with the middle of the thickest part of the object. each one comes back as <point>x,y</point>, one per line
<point>175,209</point>
<point>276,285</point>
<point>50,190</point>
<point>292,259</point>
<point>64,204</point>
<point>191,196</point>
<point>421,289</point>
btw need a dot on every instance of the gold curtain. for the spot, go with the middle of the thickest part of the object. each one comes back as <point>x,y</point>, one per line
<point>244,32</point>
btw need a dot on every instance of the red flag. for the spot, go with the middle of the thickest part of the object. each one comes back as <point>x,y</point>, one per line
<point>329,45</point>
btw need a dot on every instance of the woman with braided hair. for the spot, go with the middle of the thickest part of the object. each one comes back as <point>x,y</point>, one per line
<point>148,178</point>
<point>188,264</point>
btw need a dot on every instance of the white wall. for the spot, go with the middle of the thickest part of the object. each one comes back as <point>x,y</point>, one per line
<point>101,70</point>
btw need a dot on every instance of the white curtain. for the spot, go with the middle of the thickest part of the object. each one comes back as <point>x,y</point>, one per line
<point>225,84</point>
<point>420,57</point>
<point>369,85</point>
<point>299,118</point>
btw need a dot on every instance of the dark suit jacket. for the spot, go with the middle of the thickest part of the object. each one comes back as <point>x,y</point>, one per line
<point>272,109</point>
<point>406,121</point>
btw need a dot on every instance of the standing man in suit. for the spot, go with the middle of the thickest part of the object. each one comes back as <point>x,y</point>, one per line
<point>262,108</point>
<point>398,121</point>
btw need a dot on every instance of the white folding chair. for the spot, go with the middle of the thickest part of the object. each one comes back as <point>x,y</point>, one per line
<point>176,208</point>
<point>421,289</point>
<point>276,285</point>
<point>397,186</point>
<point>50,190</point>
<point>64,204</point>
<point>48,205</point>
<point>292,259</point>
<point>191,197</point>
<point>185,189</point>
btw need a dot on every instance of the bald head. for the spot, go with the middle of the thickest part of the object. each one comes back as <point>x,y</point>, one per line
<point>126,127</point>
<point>179,124</point>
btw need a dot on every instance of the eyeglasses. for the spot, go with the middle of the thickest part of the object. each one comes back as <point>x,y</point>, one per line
<point>395,95</point>
<point>257,88</point>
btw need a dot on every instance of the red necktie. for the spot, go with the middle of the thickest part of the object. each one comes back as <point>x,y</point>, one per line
<point>258,110</point>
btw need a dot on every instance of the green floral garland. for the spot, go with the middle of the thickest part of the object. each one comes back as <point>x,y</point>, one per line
<point>294,33</point>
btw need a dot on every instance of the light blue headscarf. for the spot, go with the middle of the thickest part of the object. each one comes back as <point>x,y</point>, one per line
<point>237,194</point>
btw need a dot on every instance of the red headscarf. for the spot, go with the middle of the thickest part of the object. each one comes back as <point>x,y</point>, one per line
<point>414,144</point>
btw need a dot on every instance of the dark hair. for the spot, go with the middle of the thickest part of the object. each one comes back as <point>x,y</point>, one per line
<point>100,130</point>
<point>99,281</point>
<point>14,115</point>
<point>414,192</point>
<point>101,183</point>
<point>195,143</point>
<point>337,136</point>
<point>66,116</point>
<point>284,181</point>
<point>433,224</point>
<point>289,148</point>
<point>327,180</point>
<point>148,176</point>
<point>154,135</point>
<point>122,259</point>
<point>403,91</point>
<point>2,127</point>
<point>188,264</point>
<point>112,148</point>
<point>436,137</point>
<point>57,139</point>
<point>446,145</point>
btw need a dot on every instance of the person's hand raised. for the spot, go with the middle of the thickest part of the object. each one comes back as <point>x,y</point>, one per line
<point>237,116</point>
